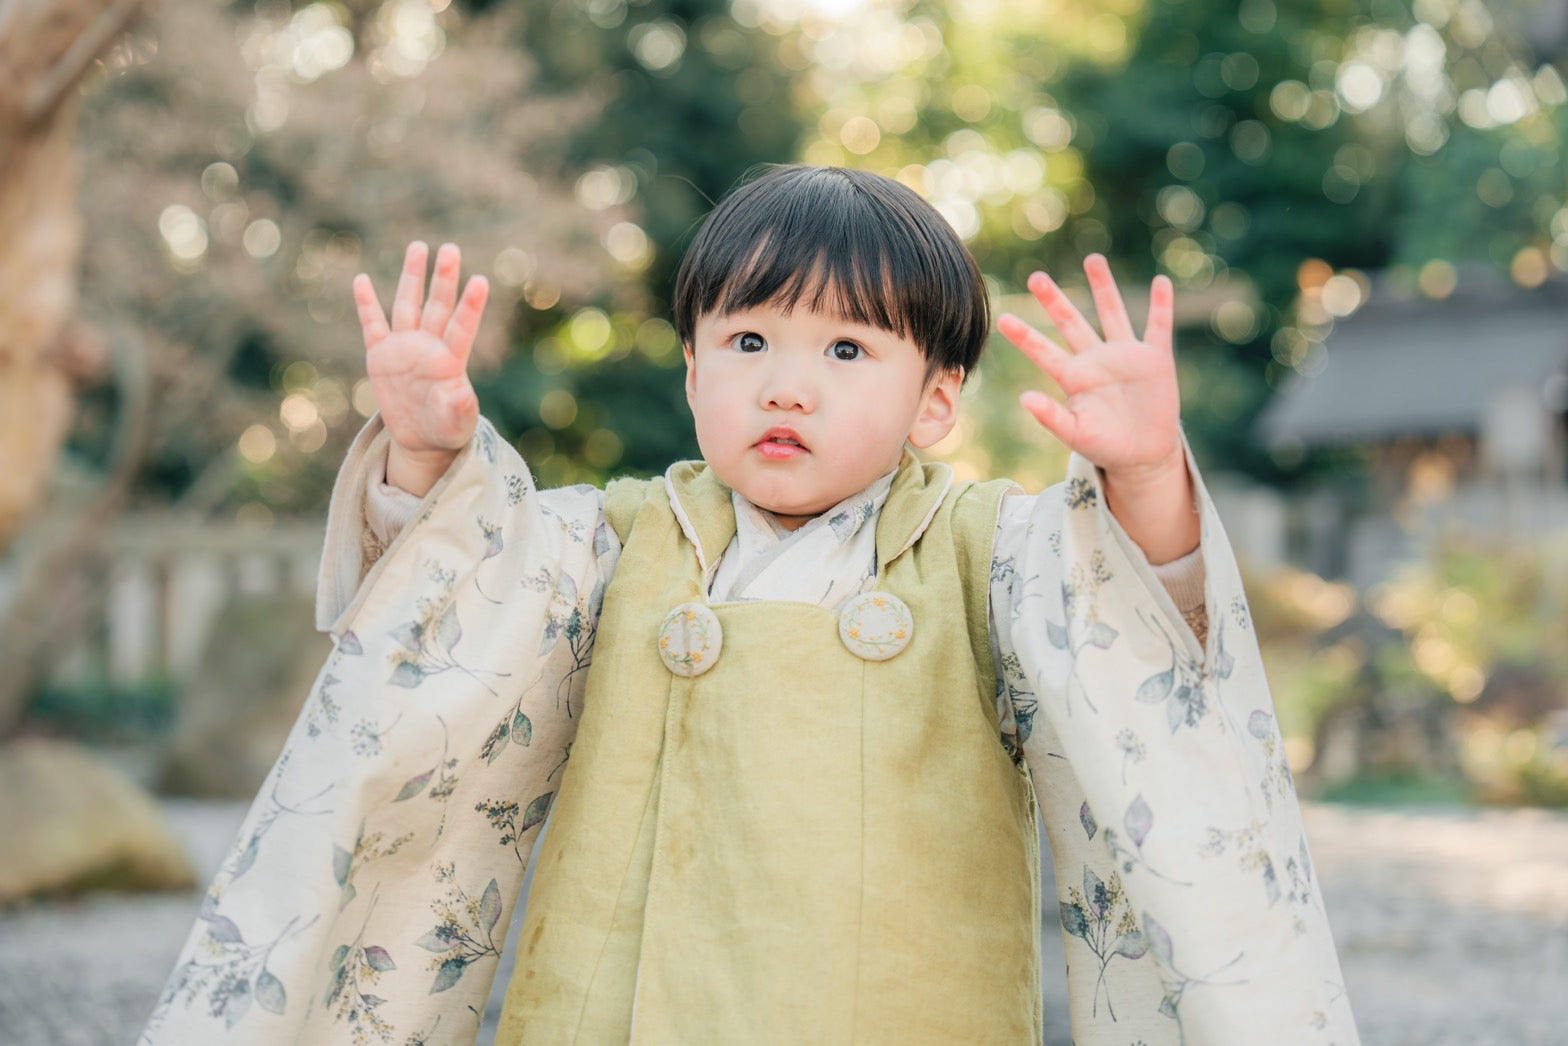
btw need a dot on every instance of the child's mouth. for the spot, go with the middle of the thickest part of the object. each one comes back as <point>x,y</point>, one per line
<point>781,445</point>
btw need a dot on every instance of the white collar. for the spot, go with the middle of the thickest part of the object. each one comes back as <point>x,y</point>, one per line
<point>825,561</point>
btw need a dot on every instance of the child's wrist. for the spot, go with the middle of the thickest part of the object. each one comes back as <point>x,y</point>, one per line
<point>1158,477</point>
<point>416,471</point>
<point>1156,507</point>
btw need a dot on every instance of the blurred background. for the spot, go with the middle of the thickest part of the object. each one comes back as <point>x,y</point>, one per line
<point>1363,205</point>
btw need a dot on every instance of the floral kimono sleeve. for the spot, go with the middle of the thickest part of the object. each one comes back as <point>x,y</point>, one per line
<point>368,893</point>
<point>1188,904</point>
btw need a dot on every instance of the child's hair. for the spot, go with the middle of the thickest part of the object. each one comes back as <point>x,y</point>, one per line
<point>858,243</point>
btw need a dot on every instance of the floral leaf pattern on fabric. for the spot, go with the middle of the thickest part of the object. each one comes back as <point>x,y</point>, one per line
<point>1179,687</point>
<point>1132,749</point>
<point>1176,982</point>
<point>242,857</point>
<point>494,545</point>
<point>322,709</point>
<point>305,934</point>
<point>1086,819</point>
<point>850,519</point>
<point>1276,782</point>
<point>428,642</point>
<point>512,822</point>
<point>355,968</point>
<point>368,846</point>
<point>465,929</point>
<point>1082,627</point>
<point>571,618</point>
<point>1174,736</point>
<point>443,773</point>
<point>1126,846</point>
<point>228,973</point>
<point>1100,916</point>
<point>1250,849</point>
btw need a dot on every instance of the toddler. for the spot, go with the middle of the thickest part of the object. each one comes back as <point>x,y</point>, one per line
<point>792,709</point>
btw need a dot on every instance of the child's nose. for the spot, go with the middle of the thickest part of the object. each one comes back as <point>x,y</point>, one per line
<point>789,386</point>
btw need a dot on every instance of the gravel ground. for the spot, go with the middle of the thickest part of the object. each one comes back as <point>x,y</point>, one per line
<point>1452,926</point>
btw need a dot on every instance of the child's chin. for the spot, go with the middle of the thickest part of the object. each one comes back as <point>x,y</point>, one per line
<point>788,511</point>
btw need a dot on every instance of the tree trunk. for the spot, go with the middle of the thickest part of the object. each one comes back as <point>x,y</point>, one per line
<point>45,47</point>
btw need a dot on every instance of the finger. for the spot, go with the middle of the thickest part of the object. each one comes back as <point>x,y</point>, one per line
<point>443,290</point>
<point>1075,330</point>
<point>1045,353</point>
<point>1107,299</point>
<point>410,287</point>
<point>464,327</point>
<point>1162,311</point>
<point>1051,414</point>
<point>372,321</point>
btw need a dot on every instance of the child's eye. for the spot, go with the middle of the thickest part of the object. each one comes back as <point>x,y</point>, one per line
<point>750,341</point>
<point>845,350</point>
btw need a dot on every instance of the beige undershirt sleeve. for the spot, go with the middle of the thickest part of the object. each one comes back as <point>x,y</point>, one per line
<point>1183,580</point>
<point>388,510</point>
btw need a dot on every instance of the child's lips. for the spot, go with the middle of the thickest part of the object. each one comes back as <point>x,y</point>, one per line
<point>781,444</point>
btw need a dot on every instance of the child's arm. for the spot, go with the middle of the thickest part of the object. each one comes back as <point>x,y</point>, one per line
<point>1155,755</point>
<point>418,364</point>
<point>1122,410</point>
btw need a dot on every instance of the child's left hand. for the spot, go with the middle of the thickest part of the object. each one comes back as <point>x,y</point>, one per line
<point>1122,408</point>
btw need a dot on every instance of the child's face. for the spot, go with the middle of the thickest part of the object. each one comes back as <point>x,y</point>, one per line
<point>799,410</point>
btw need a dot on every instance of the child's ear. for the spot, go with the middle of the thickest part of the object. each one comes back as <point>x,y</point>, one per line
<point>691,375</point>
<point>938,408</point>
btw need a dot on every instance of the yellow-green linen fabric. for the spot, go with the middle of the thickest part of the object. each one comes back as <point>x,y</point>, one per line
<point>797,845</point>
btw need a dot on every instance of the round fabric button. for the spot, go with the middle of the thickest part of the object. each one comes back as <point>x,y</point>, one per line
<point>690,639</point>
<point>876,625</point>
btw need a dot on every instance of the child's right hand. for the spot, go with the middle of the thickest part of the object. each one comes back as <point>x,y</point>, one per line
<point>418,366</point>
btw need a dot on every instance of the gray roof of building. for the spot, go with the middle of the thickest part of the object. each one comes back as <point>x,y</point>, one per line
<point>1401,367</point>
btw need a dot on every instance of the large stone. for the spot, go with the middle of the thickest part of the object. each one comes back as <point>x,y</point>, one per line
<point>72,822</point>
<point>236,710</point>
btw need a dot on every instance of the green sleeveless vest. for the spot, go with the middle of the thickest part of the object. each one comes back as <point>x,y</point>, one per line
<point>797,845</point>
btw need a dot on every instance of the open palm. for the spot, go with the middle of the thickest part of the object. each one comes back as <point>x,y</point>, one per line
<point>418,364</point>
<point>1121,409</point>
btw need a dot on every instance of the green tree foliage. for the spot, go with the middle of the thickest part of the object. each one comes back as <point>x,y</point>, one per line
<point>1199,174</point>
<point>1269,156</point>
<point>686,102</point>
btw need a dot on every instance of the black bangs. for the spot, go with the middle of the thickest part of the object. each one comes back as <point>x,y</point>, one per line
<point>828,238</point>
